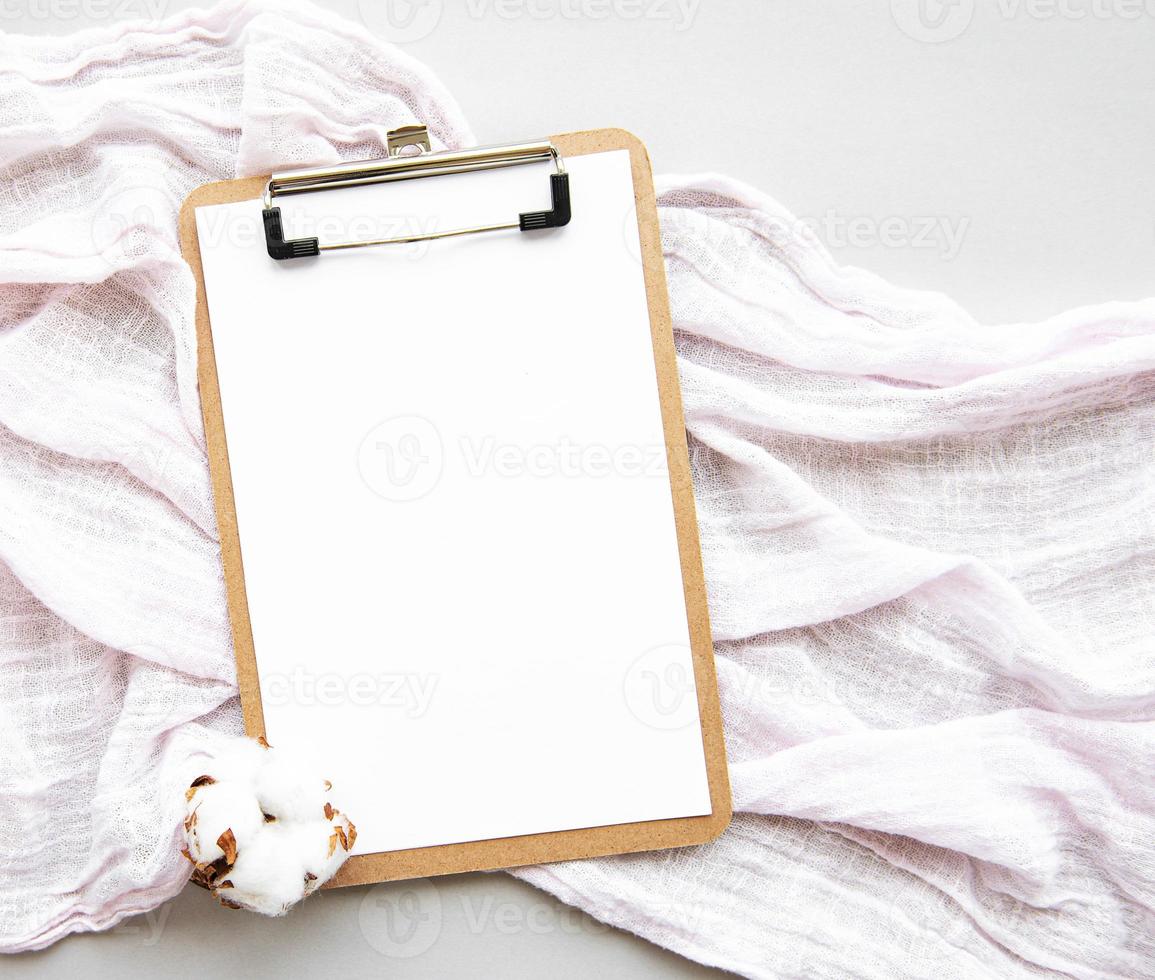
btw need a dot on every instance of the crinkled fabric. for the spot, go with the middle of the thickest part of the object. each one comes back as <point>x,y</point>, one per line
<point>929,543</point>
<point>116,667</point>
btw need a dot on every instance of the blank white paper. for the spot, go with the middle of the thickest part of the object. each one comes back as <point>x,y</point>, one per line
<point>454,507</point>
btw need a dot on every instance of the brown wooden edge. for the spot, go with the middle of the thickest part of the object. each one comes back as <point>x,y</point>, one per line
<point>533,848</point>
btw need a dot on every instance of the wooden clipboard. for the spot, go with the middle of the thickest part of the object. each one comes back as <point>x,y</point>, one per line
<point>534,848</point>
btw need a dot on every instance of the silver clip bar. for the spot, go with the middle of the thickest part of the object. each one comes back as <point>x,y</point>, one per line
<point>401,166</point>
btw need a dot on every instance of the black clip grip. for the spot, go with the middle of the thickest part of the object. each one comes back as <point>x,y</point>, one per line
<point>275,239</point>
<point>560,215</point>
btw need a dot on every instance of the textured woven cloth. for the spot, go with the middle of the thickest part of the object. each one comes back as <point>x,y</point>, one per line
<point>929,543</point>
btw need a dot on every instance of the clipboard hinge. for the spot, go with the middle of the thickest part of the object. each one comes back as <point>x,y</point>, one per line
<point>399,165</point>
<point>403,137</point>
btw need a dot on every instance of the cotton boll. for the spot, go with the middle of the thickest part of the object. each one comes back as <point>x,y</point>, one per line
<point>240,762</point>
<point>289,791</point>
<point>214,808</point>
<point>326,851</point>
<point>268,876</point>
<point>260,830</point>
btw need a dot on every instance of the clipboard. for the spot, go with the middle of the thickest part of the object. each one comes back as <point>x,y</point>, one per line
<point>520,849</point>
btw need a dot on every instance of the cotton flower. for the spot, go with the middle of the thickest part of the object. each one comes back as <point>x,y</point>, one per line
<point>260,831</point>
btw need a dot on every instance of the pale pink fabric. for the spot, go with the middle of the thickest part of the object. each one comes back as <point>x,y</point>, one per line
<point>929,544</point>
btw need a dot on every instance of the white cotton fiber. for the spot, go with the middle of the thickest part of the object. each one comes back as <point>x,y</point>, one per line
<point>260,831</point>
<point>219,807</point>
<point>292,791</point>
<point>268,876</point>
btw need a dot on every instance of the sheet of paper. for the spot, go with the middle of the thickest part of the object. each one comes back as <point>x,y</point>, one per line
<point>454,507</point>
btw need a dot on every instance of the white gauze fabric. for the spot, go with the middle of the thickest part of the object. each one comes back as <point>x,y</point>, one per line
<point>929,543</point>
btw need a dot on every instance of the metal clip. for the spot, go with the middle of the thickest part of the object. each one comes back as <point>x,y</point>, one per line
<point>399,165</point>
<point>403,137</point>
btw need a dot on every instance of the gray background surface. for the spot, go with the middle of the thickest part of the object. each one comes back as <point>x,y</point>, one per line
<point>1001,152</point>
